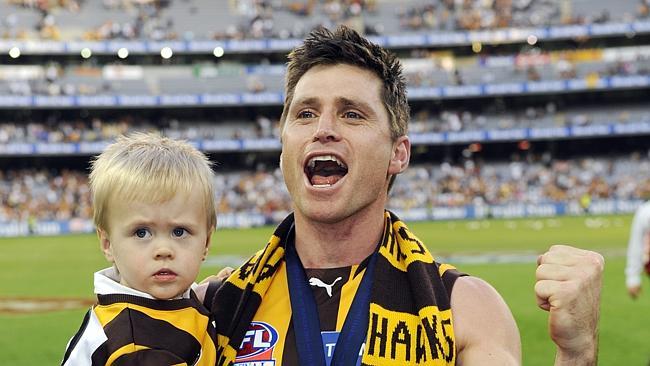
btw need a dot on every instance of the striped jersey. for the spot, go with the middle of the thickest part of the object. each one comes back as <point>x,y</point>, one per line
<point>124,328</point>
<point>270,339</point>
<point>409,320</point>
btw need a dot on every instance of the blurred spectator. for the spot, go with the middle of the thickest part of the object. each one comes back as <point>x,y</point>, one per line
<point>532,74</point>
<point>254,84</point>
<point>643,9</point>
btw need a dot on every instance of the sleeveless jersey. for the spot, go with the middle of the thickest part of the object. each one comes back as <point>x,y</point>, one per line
<point>270,339</point>
<point>409,318</point>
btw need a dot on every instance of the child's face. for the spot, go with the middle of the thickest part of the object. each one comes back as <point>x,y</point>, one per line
<point>157,247</point>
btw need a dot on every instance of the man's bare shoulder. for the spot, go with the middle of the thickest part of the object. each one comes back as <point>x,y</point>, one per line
<point>485,329</point>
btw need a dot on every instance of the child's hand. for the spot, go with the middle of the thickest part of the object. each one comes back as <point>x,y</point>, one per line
<point>221,276</point>
<point>201,289</point>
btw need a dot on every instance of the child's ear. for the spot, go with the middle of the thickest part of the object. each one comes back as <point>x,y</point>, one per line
<point>207,243</point>
<point>105,244</point>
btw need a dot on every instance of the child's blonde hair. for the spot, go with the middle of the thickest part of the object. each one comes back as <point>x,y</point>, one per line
<point>149,168</point>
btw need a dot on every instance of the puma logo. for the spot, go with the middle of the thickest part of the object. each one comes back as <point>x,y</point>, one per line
<point>318,283</point>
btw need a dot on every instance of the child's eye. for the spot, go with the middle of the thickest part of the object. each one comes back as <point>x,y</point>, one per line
<point>178,232</point>
<point>142,233</point>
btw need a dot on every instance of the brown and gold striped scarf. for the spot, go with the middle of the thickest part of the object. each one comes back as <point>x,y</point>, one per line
<point>410,320</point>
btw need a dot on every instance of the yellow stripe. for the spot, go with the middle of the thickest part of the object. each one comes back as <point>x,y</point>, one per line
<point>444,267</point>
<point>126,349</point>
<point>187,319</point>
<point>228,352</point>
<point>348,292</point>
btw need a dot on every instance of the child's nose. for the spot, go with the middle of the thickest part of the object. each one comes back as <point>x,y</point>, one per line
<point>164,251</point>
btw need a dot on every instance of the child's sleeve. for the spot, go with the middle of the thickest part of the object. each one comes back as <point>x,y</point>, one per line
<point>89,339</point>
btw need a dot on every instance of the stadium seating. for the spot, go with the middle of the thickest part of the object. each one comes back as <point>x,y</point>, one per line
<point>64,195</point>
<point>525,107</point>
<point>208,19</point>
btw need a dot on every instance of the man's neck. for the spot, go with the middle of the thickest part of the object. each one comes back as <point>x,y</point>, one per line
<point>341,244</point>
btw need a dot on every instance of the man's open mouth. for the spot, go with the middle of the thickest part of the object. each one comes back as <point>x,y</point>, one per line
<point>325,170</point>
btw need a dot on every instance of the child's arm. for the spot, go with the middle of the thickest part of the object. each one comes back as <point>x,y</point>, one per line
<point>85,342</point>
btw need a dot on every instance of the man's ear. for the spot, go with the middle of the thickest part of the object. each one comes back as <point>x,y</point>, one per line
<point>105,244</point>
<point>401,155</point>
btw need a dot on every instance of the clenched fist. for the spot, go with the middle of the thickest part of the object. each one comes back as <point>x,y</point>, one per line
<point>569,282</point>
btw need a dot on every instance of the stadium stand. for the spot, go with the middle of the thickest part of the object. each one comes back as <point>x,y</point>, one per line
<point>430,69</point>
<point>222,19</point>
<point>519,108</point>
<point>63,195</point>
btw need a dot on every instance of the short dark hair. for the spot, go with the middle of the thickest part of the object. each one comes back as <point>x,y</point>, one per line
<point>346,46</point>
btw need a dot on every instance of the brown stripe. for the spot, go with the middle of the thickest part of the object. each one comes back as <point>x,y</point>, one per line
<point>132,326</point>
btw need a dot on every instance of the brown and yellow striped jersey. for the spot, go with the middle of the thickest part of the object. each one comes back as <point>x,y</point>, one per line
<point>409,319</point>
<point>270,339</point>
<point>129,330</point>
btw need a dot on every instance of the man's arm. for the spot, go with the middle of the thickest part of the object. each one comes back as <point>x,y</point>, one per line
<point>568,286</point>
<point>485,329</point>
<point>635,246</point>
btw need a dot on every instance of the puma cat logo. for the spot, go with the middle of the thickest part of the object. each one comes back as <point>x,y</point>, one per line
<point>318,283</point>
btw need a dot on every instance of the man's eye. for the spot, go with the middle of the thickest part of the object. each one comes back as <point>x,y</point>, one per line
<point>178,232</point>
<point>306,114</point>
<point>352,114</point>
<point>142,233</point>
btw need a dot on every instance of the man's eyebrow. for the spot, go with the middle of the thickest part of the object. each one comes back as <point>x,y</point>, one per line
<point>355,103</point>
<point>306,102</point>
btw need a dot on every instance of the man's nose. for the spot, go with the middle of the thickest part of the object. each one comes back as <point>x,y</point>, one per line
<point>327,129</point>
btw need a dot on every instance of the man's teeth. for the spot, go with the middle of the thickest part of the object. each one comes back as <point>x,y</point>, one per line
<point>312,161</point>
<point>322,185</point>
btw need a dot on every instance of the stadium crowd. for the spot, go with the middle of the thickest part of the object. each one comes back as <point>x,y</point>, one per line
<point>254,19</point>
<point>98,130</point>
<point>493,117</point>
<point>422,69</point>
<point>528,181</point>
<point>44,194</point>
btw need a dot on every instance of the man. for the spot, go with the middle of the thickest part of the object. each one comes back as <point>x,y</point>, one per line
<point>638,250</point>
<point>377,296</point>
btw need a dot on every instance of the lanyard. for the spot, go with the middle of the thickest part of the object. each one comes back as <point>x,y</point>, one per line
<point>306,324</point>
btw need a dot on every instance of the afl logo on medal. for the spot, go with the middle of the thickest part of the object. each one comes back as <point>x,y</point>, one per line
<point>257,346</point>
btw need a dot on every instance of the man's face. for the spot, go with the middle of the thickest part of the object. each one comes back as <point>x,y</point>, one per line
<point>337,151</point>
<point>157,248</point>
